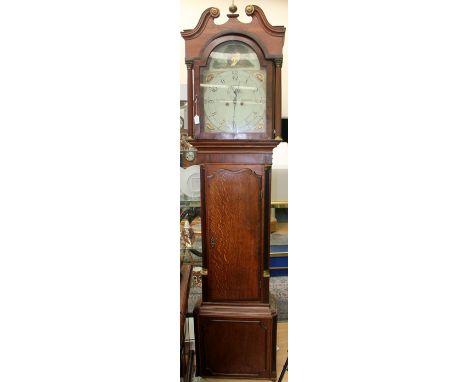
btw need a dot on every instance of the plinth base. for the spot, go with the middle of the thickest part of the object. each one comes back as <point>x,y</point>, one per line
<point>235,341</point>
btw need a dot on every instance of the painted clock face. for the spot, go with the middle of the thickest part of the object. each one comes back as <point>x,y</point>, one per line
<point>234,90</point>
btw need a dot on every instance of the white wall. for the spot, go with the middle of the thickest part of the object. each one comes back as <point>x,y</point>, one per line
<point>276,12</point>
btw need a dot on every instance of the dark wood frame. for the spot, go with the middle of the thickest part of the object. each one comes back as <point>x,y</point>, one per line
<point>268,38</point>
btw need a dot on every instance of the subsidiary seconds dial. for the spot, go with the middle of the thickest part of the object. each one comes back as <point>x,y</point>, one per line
<point>234,101</point>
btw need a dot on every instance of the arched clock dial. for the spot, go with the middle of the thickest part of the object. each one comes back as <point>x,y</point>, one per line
<point>234,90</point>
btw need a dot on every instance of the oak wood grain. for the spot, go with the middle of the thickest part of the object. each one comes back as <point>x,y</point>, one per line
<point>235,323</point>
<point>281,355</point>
<point>233,198</point>
<point>236,341</point>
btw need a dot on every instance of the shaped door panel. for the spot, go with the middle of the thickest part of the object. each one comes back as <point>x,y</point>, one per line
<point>233,242</point>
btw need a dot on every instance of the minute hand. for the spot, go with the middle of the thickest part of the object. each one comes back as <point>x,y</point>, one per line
<point>235,103</point>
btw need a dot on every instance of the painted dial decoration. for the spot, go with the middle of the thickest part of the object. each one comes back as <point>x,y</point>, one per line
<point>234,90</point>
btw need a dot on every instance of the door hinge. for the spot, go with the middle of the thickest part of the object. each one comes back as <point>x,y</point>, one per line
<point>204,272</point>
<point>266,273</point>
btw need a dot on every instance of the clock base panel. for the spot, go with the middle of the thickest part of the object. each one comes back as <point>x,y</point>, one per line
<point>235,341</point>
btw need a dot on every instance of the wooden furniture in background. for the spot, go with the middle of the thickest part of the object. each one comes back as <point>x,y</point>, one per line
<point>186,354</point>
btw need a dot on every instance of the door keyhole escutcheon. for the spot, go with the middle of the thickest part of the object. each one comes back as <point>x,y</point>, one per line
<point>212,242</point>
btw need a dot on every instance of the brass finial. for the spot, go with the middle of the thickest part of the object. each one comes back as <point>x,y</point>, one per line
<point>233,7</point>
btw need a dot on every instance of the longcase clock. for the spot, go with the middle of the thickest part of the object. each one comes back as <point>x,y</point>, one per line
<point>234,122</point>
